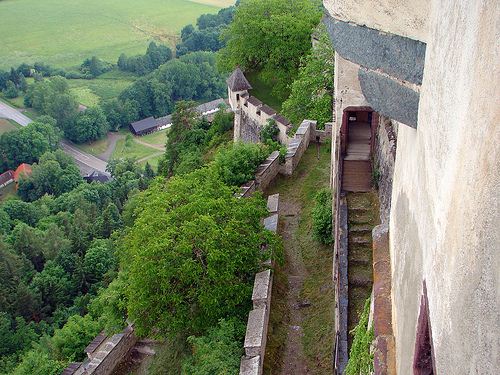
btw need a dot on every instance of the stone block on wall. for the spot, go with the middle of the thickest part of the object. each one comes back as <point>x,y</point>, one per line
<point>271,223</point>
<point>261,295</point>
<point>273,203</point>
<point>256,334</point>
<point>250,366</point>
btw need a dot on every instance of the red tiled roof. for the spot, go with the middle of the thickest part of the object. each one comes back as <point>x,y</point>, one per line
<point>23,170</point>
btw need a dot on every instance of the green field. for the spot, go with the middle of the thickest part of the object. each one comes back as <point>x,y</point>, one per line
<point>7,126</point>
<point>63,33</point>
<point>106,86</point>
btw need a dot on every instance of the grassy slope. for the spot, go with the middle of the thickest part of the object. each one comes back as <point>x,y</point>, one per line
<point>8,125</point>
<point>65,33</point>
<point>106,86</point>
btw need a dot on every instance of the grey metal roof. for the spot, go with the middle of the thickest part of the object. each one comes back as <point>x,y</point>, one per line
<point>165,120</point>
<point>209,106</point>
<point>145,124</point>
<point>237,81</point>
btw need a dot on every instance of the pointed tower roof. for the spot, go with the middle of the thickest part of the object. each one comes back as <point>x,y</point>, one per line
<point>237,81</point>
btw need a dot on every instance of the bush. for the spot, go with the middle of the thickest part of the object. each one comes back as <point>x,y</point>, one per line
<point>218,352</point>
<point>237,163</point>
<point>322,217</point>
<point>360,358</point>
<point>269,131</point>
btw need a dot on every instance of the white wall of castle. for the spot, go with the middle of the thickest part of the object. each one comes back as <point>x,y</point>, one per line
<point>445,218</point>
<point>408,18</point>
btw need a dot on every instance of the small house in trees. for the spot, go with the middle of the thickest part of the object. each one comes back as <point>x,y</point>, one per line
<point>6,178</point>
<point>237,86</point>
<point>22,171</point>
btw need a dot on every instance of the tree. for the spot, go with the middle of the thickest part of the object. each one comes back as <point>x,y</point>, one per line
<point>10,90</point>
<point>237,163</point>
<point>98,260</point>
<point>218,352</point>
<point>70,341</point>
<point>54,286</point>
<point>55,174</point>
<point>312,92</point>
<point>36,362</point>
<point>94,67</point>
<point>193,246</point>
<point>28,242</point>
<point>89,126</point>
<point>280,34</point>
<point>28,143</point>
<point>111,220</point>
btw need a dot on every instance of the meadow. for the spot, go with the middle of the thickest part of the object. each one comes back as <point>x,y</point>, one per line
<point>64,33</point>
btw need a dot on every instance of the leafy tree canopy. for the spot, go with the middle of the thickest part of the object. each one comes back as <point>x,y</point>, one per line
<point>270,36</point>
<point>312,92</point>
<point>192,254</point>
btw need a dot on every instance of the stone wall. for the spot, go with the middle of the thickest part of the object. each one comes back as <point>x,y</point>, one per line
<point>384,159</point>
<point>258,318</point>
<point>297,146</point>
<point>104,359</point>
<point>267,171</point>
<point>249,128</point>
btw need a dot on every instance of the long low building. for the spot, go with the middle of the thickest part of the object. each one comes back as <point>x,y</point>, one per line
<point>150,124</point>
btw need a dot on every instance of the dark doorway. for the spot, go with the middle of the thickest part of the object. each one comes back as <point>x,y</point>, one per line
<point>423,362</point>
<point>357,133</point>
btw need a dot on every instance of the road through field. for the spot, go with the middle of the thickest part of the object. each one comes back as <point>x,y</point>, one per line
<point>85,161</point>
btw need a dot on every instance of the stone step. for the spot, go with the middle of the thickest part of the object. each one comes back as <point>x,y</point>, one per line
<point>361,240</point>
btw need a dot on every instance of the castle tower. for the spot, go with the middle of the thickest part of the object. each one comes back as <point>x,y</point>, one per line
<point>237,87</point>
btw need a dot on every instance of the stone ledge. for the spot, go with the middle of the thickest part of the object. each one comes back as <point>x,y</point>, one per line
<point>250,366</point>
<point>271,223</point>
<point>255,337</point>
<point>273,203</point>
<point>262,289</point>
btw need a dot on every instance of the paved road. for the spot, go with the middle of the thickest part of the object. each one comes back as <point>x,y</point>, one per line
<point>85,161</point>
<point>9,112</point>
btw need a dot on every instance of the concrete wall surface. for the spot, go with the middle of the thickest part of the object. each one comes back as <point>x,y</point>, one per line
<point>445,218</point>
<point>408,18</point>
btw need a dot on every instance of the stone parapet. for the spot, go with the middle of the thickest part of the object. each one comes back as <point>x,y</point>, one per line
<point>297,146</point>
<point>258,318</point>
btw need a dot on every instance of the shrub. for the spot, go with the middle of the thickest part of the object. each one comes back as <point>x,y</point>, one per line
<point>237,163</point>
<point>269,131</point>
<point>360,358</point>
<point>322,217</point>
<point>218,352</point>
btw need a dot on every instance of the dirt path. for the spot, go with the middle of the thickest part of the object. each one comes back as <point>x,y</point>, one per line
<point>300,338</point>
<point>150,157</point>
<point>293,357</point>
<point>156,147</point>
<point>112,139</point>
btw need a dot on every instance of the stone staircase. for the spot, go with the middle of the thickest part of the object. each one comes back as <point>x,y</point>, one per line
<point>357,169</point>
<point>362,217</point>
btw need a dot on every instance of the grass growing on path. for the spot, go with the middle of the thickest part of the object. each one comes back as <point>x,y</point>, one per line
<point>64,33</point>
<point>310,263</point>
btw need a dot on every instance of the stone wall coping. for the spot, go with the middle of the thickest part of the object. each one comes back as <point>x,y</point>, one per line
<point>254,337</point>
<point>250,366</point>
<point>271,223</point>
<point>273,203</point>
<point>261,288</point>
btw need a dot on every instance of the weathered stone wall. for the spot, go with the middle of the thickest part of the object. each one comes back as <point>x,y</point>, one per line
<point>109,354</point>
<point>267,171</point>
<point>258,318</point>
<point>384,159</point>
<point>297,146</point>
<point>249,128</point>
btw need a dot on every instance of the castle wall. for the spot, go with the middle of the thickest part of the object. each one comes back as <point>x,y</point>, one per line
<point>408,18</point>
<point>384,160</point>
<point>445,215</point>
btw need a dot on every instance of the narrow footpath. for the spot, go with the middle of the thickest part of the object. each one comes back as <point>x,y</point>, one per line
<point>300,337</point>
